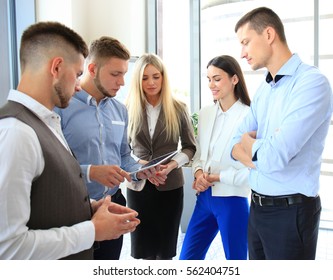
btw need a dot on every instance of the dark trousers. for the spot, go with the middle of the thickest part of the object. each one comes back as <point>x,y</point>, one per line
<point>284,232</point>
<point>110,249</point>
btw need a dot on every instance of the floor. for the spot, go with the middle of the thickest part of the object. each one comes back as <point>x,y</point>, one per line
<point>324,247</point>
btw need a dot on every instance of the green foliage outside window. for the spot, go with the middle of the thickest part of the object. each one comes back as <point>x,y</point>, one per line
<point>194,119</point>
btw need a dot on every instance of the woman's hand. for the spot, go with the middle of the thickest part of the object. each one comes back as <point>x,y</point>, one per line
<point>204,180</point>
<point>162,174</point>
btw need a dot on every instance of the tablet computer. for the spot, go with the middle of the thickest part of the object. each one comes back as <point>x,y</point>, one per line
<point>156,161</point>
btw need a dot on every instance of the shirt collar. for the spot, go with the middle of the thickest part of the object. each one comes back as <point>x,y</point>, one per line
<point>40,110</point>
<point>83,96</point>
<point>269,78</point>
<point>229,111</point>
<point>288,69</point>
<point>151,107</point>
<point>86,98</point>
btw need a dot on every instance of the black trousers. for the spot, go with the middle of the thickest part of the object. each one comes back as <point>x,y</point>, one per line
<point>284,232</point>
<point>110,249</point>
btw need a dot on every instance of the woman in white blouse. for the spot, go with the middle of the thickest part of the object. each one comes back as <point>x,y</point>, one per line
<point>221,183</point>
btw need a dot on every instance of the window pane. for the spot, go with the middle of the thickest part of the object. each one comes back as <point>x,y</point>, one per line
<point>218,36</point>
<point>174,45</point>
<point>326,66</point>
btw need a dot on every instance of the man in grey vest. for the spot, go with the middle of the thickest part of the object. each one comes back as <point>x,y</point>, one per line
<point>45,210</point>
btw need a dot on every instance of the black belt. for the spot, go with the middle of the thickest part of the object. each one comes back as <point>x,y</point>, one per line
<point>284,200</point>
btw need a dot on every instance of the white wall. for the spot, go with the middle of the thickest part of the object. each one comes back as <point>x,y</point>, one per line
<point>80,17</point>
<point>54,10</point>
<point>122,19</point>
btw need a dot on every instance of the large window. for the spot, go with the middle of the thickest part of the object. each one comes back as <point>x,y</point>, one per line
<point>325,64</point>
<point>218,36</point>
<point>173,44</point>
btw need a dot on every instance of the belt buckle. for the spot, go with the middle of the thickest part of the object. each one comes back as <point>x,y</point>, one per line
<point>260,200</point>
<point>259,197</point>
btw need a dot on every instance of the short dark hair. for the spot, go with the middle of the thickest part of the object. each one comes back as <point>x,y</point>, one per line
<point>230,65</point>
<point>49,35</point>
<point>107,47</point>
<point>260,18</point>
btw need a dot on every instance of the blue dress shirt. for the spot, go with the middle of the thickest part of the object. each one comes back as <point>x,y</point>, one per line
<point>97,135</point>
<point>291,115</point>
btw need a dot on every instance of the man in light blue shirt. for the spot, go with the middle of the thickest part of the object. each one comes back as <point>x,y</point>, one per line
<point>97,135</point>
<point>95,127</point>
<point>281,141</point>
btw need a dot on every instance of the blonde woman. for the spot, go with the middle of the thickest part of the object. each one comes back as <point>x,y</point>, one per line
<point>158,124</point>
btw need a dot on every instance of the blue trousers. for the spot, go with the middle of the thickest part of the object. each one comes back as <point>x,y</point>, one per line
<point>211,214</point>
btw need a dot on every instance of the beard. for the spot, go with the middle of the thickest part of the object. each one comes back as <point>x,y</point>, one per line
<point>64,100</point>
<point>102,90</point>
<point>255,67</point>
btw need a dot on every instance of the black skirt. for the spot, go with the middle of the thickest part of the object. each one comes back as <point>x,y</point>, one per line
<point>160,213</point>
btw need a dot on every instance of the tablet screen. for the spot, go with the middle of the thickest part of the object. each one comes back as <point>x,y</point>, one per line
<point>156,161</point>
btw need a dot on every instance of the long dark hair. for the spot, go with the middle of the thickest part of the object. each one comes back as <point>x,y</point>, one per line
<point>230,65</point>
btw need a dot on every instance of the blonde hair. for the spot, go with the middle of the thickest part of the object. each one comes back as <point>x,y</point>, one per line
<point>136,100</point>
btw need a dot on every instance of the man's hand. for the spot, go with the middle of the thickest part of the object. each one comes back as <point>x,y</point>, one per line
<point>247,142</point>
<point>242,151</point>
<point>108,175</point>
<point>112,220</point>
<point>96,204</point>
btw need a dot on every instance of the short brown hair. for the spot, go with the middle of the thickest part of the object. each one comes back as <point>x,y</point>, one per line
<point>49,35</point>
<point>107,47</point>
<point>260,18</point>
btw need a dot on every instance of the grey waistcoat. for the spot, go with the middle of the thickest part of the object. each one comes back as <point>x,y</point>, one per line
<point>59,196</point>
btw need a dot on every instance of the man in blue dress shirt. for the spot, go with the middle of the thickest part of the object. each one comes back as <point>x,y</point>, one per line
<point>95,127</point>
<point>281,141</point>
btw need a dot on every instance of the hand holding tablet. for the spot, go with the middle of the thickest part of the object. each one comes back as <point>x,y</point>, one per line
<point>156,161</point>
